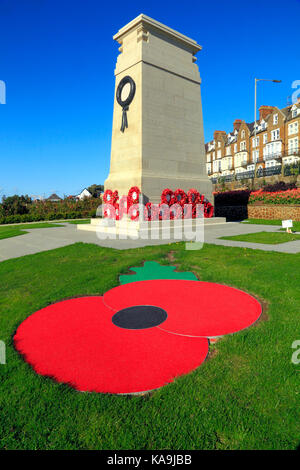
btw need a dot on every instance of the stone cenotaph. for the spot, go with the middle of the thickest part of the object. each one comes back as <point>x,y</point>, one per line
<point>157,135</point>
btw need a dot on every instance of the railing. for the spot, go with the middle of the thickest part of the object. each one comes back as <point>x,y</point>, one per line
<point>228,178</point>
<point>244,175</point>
<point>272,170</point>
<point>273,156</point>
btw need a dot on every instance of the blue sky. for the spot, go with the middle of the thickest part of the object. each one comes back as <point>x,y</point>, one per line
<point>57,60</point>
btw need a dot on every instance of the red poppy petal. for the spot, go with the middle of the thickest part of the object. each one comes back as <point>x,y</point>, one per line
<point>75,342</point>
<point>194,308</point>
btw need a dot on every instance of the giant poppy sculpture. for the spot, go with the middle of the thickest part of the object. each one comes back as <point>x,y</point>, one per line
<point>137,337</point>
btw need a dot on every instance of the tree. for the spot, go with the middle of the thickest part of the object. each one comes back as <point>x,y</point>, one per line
<point>95,189</point>
<point>16,205</point>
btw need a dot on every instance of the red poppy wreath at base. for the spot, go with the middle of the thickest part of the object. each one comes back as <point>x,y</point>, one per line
<point>175,200</point>
<point>138,337</point>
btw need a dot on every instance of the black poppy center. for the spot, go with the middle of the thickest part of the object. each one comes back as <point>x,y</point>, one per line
<point>139,317</point>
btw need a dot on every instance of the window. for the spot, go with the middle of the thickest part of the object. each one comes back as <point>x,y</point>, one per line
<point>235,148</point>
<point>243,134</point>
<point>208,157</point>
<point>293,145</point>
<point>219,144</point>
<point>272,149</point>
<point>243,145</point>
<point>214,155</point>
<point>255,142</point>
<point>275,119</point>
<point>293,128</point>
<point>263,126</point>
<point>275,135</point>
<point>219,154</point>
<point>228,150</point>
<point>294,113</point>
<point>265,138</point>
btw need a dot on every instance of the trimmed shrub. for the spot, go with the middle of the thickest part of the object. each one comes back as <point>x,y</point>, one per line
<point>232,198</point>
<point>279,186</point>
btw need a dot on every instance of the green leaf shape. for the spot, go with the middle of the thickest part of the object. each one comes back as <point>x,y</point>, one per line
<point>153,270</point>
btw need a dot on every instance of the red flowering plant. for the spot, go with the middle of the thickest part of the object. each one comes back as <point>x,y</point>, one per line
<point>291,196</point>
<point>168,197</point>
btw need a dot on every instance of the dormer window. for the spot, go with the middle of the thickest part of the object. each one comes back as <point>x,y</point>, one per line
<point>263,126</point>
<point>275,119</point>
<point>294,113</point>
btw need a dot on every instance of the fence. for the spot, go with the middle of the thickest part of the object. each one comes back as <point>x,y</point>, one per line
<point>260,173</point>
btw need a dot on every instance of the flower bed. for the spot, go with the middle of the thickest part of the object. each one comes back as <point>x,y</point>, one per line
<point>260,197</point>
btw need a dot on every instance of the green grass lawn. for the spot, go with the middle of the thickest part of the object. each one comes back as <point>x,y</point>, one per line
<point>296,225</point>
<point>16,230</point>
<point>79,221</point>
<point>272,238</point>
<point>245,396</point>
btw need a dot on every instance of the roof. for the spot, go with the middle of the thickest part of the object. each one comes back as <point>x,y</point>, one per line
<point>54,197</point>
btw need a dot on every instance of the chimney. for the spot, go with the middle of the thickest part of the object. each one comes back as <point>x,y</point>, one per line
<point>264,111</point>
<point>237,124</point>
<point>219,134</point>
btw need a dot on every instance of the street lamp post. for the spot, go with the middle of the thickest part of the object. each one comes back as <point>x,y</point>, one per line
<point>255,99</point>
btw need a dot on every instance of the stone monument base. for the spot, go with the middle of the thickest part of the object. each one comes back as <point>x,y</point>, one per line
<point>163,229</point>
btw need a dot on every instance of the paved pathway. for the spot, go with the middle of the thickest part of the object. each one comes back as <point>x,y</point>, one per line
<point>38,240</point>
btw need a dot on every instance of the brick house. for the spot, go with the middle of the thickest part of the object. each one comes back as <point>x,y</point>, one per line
<point>245,152</point>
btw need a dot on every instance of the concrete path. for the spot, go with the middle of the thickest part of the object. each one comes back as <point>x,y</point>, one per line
<point>38,240</point>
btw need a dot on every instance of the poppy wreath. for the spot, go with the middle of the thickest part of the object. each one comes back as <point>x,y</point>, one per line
<point>168,197</point>
<point>193,196</point>
<point>133,195</point>
<point>109,211</point>
<point>176,211</point>
<point>133,211</point>
<point>115,196</point>
<point>163,212</point>
<point>150,211</point>
<point>111,358</point>
<point>117,211</point>
<point>187,212</point>
<point>180,196</point>
<point>108,196</point>
<point>208,210</point>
